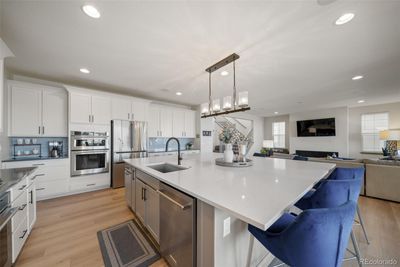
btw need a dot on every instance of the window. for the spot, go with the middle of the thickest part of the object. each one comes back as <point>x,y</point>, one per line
<point>371,125</point>
<point>278,133</point>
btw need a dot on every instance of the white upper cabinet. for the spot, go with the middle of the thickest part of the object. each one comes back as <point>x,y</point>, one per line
<point>26,114</point>
<point>121,109</point>
<point>190,123</point>
<point>101,110</point>
<point>80,108</point>
<point>154,121</point>
<point>139,110</point>
<point>89,109</point>
<point>166,122</point>
<point>55,111</point>
<point>178,123</point>
<point>160,121</point>
<point>127,109</point>
<point>36,110</point>
<point>184,123</point>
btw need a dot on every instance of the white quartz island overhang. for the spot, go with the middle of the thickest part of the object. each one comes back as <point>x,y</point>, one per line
<point>257,195</point>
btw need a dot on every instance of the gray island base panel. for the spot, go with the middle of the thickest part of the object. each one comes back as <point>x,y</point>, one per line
<point>230,198</point>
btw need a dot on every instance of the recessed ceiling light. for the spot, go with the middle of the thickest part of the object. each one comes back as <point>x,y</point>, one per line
<point>84,70</point>
<point>360,101</point>
<point>178,93</point>
<point>276,112</point>
<point>358,77</point>
<point>343,19</point>
<point>91,11</point>
<point>224,73</point>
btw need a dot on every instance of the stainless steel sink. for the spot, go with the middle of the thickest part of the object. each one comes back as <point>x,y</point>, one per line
<point>167,167</point>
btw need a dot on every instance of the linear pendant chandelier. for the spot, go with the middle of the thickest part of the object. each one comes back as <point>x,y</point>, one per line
<point>230,103</point>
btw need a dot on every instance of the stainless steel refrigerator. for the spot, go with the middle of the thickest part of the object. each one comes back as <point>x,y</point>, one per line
<point>129,140</point>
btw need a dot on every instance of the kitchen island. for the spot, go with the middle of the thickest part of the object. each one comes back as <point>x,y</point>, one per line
<point>230,198</point>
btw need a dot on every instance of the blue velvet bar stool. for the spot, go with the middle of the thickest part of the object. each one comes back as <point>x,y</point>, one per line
<point>316,237</point>
<point>333,193</point>
<point>351,173</point>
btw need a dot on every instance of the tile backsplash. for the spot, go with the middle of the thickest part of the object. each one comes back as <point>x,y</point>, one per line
<point>43,141</point>
<point>158,144</point>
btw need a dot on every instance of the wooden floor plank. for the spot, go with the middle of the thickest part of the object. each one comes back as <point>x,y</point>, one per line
<point>65,234</point>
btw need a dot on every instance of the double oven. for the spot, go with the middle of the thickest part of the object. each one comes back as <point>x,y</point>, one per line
<point>89,153</point>
<point>6,213</point>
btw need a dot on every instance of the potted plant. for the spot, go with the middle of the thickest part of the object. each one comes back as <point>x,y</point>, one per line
<point>226,136</point>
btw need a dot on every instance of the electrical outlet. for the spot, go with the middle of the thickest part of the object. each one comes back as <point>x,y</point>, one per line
<point>227,226</point>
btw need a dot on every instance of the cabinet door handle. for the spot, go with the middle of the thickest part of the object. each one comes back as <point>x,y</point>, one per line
<point>23,235</point>
<point>39,130</point>
<point>40,189</point>
<point>31,194</point>
<point>129,116</point>
<point>42,129</point>
<point>22,207</point>
<point>144,194</point>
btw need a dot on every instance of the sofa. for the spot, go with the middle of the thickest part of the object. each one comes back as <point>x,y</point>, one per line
<point>381,180</point>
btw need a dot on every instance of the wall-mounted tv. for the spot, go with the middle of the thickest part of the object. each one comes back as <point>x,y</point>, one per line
<point>319,127</point>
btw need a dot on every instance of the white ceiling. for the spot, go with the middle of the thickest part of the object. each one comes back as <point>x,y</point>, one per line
<point>292,56</point>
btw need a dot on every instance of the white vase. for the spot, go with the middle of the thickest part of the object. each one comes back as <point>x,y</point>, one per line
<point>228,153</point>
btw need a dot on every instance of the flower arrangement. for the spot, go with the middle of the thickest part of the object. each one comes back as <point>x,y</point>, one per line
<point>229,135</point>
<point>226,135</point>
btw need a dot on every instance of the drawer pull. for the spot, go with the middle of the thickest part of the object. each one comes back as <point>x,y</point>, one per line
<point>23,235</point>
<point>40,189</point>
<point>90,184</point>
<point>22,207</point>
<point>38,164</point>
<point>22,187</point>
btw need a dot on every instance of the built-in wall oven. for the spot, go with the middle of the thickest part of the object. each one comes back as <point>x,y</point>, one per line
<point>6,213</point>
<point>89,153</point>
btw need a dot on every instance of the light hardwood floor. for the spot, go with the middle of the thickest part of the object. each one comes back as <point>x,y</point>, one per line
<point>65,233</point>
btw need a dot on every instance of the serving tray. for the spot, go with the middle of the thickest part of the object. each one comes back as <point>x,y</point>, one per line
<point>221,162</point>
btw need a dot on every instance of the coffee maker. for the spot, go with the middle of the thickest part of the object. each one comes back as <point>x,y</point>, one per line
<point>55,149</point>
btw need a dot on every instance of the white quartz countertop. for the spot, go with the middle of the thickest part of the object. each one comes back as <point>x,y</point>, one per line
<point>257,195</point>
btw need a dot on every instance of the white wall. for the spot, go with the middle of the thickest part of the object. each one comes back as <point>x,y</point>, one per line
<point>338,143</point>
<point>355,113</point>
<point>268,121</point>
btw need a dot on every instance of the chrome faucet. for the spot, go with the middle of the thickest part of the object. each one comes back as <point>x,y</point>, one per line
<point>179,148</point>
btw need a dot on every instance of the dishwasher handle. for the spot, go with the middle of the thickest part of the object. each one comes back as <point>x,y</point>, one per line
<point>176,202</point>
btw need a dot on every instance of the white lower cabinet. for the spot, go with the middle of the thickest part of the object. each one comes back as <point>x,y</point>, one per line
<point>19,237</point>
<point>31,206</point>
<point>25,217</point>
<point>50,189</point>
<point>147,207</point>
<point>140,202</point>
<point>89,183</point>
<point>152,199</point>
<point>51,176</point>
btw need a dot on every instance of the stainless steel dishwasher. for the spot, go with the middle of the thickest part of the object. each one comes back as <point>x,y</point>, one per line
<point>177,227</point>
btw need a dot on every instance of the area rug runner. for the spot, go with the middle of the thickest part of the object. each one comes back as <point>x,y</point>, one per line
<point>124,245</point>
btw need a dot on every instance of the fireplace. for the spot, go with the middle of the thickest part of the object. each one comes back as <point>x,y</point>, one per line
<point>315,154</point>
